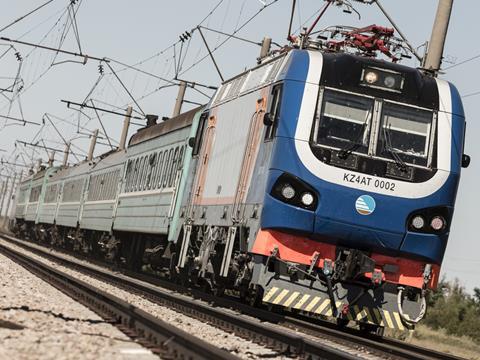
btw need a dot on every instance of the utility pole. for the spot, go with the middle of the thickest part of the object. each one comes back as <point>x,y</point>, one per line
<point>93,142</point>
<point>439,34</point>
<point>4,193</point>
<point>10,195</point>
<point>126,125</point>
<point>180,97</point>
<point>65,154</point>
<point>266,45</point>
<point>51,159</point>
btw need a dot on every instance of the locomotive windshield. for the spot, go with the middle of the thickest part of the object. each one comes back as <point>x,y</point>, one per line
<point>405,131</point>
<point>346,122</point>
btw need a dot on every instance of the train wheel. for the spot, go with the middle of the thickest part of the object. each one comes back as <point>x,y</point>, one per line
<point>254,296</point>
<point>342,323</point>
<point>371,329</point>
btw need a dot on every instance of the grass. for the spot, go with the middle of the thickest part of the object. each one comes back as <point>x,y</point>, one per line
<point>440,341</point>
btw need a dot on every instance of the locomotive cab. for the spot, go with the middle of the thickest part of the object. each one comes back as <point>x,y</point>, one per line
<point>361,187</point>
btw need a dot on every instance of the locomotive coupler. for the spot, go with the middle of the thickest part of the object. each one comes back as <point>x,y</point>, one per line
<point>350,263</point>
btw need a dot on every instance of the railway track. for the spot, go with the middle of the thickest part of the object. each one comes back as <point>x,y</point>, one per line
<point>160,337</point>
<point>243,320</point>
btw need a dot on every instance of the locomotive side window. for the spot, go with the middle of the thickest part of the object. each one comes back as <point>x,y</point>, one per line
<point>274,112</point>
<point>344,121</point>
<point>405,133</point>
<point>199,135</point>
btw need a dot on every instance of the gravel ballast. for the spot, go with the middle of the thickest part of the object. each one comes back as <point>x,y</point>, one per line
<point>37,321</point>
<point>243,348</point>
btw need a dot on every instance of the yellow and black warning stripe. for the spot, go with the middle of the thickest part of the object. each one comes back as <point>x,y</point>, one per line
<point>321,306</point>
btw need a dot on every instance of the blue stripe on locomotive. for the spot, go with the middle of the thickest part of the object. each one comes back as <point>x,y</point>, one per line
<point>335,219</point>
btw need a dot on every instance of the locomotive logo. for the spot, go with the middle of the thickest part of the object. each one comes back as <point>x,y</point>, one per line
<point>365,205</point>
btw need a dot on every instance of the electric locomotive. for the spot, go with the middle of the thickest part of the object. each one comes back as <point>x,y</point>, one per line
<point>341,205</point>
<point>320,182</point>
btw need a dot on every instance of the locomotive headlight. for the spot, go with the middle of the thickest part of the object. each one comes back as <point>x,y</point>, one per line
<point>382,79</point>
<point>371,77</point>
<point>418,222</point>
<point>437,223</point>
<point>307,199</point>
<point>389,81</point>
<point>288,192</point>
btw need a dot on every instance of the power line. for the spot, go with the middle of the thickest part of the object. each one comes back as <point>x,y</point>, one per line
<point>24,16</point>
<point>230,36</point>
<point>103,110</point>
<point>471,94</point>
<point>125,88</point>
<point>463,62</point>
<point>84,56</point>
<point>19,120</point>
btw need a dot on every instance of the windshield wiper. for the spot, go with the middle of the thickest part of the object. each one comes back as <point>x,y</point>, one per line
<point>393,153</point>
<point>347,150</point>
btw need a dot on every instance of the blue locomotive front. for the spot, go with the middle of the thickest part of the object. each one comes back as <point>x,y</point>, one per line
<point>362,181</point>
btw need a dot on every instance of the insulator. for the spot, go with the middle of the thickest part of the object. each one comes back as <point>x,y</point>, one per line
<point>100,69</point>
<point>18,56</point>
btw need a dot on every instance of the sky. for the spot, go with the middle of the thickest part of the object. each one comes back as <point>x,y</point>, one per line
<point>143,34</point>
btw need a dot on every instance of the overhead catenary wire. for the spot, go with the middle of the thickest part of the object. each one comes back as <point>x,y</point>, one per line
<point>26,15</point>
<point>19,120</point>
<point>181,58</point>
<point>471,94</point>
<point>103,110</point>
<point>230,36</point>
<point>101,123</point>
<point>463,62</point>
<point>59,134</point>
<point>125,88</point>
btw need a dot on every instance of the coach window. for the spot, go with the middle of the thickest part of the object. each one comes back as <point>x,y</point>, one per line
<point>128,176</point>
<point>199,135</point>
<point>134,175</point>
<point>106,194</point>
<point>130,173</point>
<point>274,113</point>
<point>180,157</point>
<point>173,168</point>
<point>166,165</point>
<point>143,171</point>
<point>141,176</point>
<point>107,185</point>
<point>143,180</point>
<point>151,170</point>
<point>158,176</point>
<point>156,171</point>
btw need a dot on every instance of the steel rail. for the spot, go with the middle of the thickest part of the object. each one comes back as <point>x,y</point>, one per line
<point>285,342</point>
<point>154,289</point>
<point>161,337</point>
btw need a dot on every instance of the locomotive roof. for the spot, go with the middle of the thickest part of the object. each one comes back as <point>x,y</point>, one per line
<point>154,131</point>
